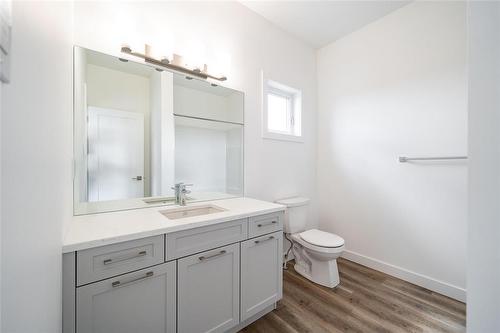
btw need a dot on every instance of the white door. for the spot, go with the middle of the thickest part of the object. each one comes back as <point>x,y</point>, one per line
<point>115,154</point>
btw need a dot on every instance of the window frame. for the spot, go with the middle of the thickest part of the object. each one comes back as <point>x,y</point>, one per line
<point>294,111</point>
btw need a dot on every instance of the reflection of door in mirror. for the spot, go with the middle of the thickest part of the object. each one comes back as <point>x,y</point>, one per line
<point>115,154</point>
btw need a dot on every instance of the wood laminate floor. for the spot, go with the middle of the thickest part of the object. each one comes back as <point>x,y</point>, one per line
<point>365,301</point>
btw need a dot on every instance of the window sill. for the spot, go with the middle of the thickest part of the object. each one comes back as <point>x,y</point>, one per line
<point>282,137</point>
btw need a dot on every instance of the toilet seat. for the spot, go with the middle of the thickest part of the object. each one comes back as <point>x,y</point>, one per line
<point>320,249</point>
<point>321,238</point>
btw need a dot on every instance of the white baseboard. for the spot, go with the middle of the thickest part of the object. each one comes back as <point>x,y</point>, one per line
<point>409,276</point>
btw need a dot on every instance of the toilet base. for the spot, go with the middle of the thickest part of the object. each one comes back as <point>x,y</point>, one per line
<point>324,273</point>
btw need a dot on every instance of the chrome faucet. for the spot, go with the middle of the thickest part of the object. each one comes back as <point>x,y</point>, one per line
<point>180,193</point>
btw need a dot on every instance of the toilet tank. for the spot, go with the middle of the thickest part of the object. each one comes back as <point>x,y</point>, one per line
<point>296,214</point>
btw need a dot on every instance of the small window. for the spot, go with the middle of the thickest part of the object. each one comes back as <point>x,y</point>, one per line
<point>281,112</point>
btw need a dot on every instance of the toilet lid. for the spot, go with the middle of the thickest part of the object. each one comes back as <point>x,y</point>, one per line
<point>321,238</point>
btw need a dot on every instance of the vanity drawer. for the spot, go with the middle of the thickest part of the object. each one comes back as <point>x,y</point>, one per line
<point>265,224</point>
<point>106,261</point>
<point>186,242</point>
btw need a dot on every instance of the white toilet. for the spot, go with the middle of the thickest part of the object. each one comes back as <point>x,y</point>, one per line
<point>315,251</point>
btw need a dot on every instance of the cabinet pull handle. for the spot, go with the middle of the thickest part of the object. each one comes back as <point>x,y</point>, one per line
<point>266,224</point>
<point>118,283</point>
<point>110,261</point>
<point>212,256</point>
<point>265,240</point>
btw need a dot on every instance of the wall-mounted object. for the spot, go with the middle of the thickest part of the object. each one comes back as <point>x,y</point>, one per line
<point>175,65</point>
<point>5,35</point>
<point>138,131</point>
<point>404,159</point>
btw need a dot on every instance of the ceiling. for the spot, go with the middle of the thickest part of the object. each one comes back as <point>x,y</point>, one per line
<point>319,23</point>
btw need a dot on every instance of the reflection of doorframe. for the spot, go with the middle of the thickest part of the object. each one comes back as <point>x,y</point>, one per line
<point>93,162</point>
<point>162,134</point>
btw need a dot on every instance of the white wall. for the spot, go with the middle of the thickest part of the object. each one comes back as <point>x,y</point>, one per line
<point>200,158</point>
<point>483,290</point>
<point>1,215</point>
<point>397,87</point>
<point>203,104</point>
<point>5,13</point>
<point>273,169</point>
<point>114,89</point>
<point>234,159</point>
<point>36,146</point>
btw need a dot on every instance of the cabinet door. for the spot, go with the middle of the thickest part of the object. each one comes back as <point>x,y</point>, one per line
<point>208,290</point>
<point>143,301</point>
<point>261,273</point>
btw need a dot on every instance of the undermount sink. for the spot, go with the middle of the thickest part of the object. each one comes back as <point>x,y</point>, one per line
<point>180,213</point>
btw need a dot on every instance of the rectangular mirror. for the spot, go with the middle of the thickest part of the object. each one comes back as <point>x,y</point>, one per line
<point>138,130</point>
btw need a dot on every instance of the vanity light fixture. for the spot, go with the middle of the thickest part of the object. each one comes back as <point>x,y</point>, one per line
<point>165,63</point>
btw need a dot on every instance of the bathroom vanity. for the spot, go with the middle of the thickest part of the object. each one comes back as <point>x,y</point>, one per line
<point>136,259</point>
<point>207,267</point>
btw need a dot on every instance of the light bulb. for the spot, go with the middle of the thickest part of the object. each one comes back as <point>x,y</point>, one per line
<point>195,55</point>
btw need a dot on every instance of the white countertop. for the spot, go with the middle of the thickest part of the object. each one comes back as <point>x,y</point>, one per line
<point>87,231</point>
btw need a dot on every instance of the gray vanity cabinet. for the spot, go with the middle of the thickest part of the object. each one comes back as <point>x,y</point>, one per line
<point>208,290</point>
<point>142,301</point>
<point>261,273</point>
<point>214,278</point>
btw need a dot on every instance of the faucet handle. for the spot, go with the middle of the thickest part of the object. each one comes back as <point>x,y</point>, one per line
<point>177,186</point>
<point>180,186</point>
<point>184,189</point>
